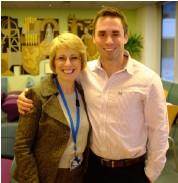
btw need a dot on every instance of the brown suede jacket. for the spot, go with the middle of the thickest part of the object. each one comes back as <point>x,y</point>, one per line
<point>42,135</point>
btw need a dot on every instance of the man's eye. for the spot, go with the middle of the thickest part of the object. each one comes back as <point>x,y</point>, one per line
<point>116,34</point>
<point>101,34</point>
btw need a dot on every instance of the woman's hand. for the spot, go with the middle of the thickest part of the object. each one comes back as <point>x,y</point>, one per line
<point>24,104</point>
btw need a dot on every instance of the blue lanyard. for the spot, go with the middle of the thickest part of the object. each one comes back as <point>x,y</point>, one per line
<point>74,129</point>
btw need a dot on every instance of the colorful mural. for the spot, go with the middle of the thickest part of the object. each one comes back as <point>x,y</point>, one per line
<point>26,46</point>
<point>83,28</point>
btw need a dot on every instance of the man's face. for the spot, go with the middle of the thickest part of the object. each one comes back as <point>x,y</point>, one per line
<point>109,37</point>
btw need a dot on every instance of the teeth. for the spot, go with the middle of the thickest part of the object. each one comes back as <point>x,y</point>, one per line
<point>68,71</point>
<point>109,49</point>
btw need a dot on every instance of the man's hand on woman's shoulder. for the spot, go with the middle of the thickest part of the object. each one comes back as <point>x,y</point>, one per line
<point>23,103</point>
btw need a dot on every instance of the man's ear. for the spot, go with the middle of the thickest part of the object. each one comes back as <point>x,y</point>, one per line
<point>93,37</point>
<point>126,37</point>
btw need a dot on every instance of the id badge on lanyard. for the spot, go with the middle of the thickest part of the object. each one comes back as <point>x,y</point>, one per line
<point>76,161</point>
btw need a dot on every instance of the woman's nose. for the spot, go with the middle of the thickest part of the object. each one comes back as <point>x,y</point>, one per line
<point>68,62</point>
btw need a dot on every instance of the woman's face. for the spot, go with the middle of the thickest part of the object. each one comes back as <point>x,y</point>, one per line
<point>67,64</point>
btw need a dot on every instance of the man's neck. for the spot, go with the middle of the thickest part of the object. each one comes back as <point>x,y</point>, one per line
<point>112,66</point>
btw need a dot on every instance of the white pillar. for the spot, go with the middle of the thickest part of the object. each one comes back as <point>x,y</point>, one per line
<point>176,48</point>
<point>149,26</point>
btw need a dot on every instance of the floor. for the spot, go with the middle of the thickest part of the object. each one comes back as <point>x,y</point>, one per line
<point>169,174</point>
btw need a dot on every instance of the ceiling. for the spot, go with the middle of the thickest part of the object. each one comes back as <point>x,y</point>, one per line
<point>75,4</point>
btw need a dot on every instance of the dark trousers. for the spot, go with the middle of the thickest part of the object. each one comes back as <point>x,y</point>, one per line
<point>97,173</point>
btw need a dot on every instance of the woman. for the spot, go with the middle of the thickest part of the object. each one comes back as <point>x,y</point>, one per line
<point>51,138</point>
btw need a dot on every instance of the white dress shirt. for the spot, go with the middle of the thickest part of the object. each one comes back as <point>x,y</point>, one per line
<point>128,114</point>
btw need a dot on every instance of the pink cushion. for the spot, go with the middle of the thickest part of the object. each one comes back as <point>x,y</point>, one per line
<point>5,170</point>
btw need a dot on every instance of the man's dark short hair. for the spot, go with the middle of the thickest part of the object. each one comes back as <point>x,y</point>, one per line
<point>111,12</point>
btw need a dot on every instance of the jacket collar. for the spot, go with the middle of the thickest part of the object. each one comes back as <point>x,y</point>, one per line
<point>48,86</point>
<point>52,106</point>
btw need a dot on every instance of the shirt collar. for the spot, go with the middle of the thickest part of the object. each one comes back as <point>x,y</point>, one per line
<point>128,67</point>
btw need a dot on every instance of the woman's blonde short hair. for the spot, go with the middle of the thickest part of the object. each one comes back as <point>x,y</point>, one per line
<point>67,41</point>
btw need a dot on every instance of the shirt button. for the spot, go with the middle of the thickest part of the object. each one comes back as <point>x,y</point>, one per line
<point>120,92</point>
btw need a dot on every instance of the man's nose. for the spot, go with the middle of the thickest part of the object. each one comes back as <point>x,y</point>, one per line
<point>109,40</point>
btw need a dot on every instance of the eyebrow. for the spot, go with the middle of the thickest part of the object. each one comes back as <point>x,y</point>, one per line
<point>116,31</point>
<point>106,31</point>
<point>63,55</point>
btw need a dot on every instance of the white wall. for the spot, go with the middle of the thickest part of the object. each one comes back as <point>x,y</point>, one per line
<point>176,48</point>
<point>149,26</point>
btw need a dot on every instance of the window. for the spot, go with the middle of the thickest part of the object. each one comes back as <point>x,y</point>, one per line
<point>168,40</point>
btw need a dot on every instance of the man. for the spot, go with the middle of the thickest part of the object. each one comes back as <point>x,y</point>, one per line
<point>126,107</point>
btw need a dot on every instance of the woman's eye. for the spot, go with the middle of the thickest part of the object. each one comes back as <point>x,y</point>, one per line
<point>62,59</point>
<point>74,58</point>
